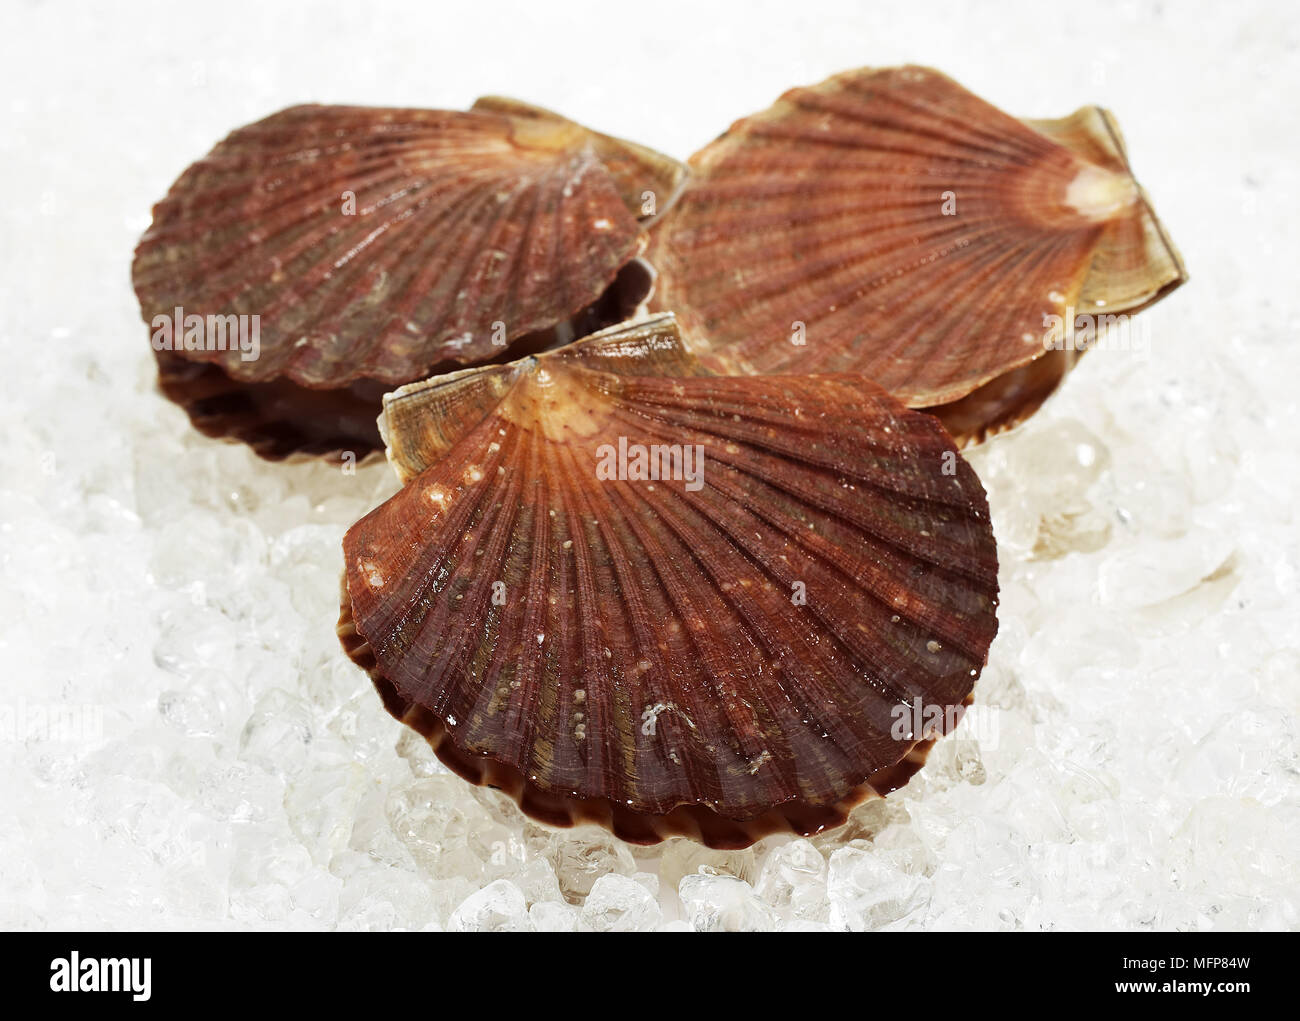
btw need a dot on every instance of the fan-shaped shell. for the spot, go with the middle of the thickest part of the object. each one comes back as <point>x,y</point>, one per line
<point>376,243</point>
<point>721,653</point>
<point>371,247</point>
<point>891,223</point>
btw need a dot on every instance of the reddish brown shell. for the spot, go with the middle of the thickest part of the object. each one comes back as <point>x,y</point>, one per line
<point>503,214</point>
<point>719,655</point>
<point>375,246</point>
<point>891,223</point>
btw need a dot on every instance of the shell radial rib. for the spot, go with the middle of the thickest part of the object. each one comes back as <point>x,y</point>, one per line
<point>373,245</point>
<point>891,223</point>
<point>630,591</point>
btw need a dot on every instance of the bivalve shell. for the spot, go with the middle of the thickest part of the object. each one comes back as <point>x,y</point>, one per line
<point>891,223</point>
<point>374,246</point>
<point>631,591</point>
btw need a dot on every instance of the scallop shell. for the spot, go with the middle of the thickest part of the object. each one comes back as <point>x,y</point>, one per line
<point>720,655</point>
<point>377,245</point>
<point>505,213</point>
<point>891,223</point>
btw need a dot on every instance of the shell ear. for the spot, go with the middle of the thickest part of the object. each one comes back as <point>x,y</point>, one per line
<point>649,346</point>
<point>649,182</point>
<point>516,108</point>
<point>1135,263</point>
<point>1134,266</point>
<point>422,421</point>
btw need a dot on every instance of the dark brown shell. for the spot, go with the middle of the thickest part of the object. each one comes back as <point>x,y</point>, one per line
<point>278,419</point>
<point>903,228</point>
<point>632,652</point>
<point>282,421</point>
